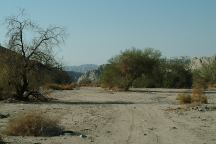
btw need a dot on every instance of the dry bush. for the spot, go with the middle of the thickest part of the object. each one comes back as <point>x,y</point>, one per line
<point>60,86</point>
<point>198,95</point>
<point>212,85</point>
<point>89,85</point>
<point>33,124</point>
<point>184,98</point>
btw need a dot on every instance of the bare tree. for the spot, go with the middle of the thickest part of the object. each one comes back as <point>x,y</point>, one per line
<point>32,45</point>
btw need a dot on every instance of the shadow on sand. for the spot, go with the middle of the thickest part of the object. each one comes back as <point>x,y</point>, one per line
<point>90,102</point>
<point>168,91</point>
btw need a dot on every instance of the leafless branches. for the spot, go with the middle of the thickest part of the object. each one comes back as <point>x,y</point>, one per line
<point>31,41</point>
<point>32,45</point>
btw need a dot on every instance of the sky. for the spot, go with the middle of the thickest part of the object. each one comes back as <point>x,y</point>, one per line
<point>99,29</point>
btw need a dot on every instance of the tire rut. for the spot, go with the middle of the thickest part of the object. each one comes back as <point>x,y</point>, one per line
<point>131,129</point>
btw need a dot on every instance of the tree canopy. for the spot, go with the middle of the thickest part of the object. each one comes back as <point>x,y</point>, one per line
<point>131,64</point>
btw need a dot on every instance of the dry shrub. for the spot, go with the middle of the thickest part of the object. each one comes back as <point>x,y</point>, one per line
<point>184,98</point>
<point>60,86</point>
<point>198,95</point>
<point>212,85</point>
<point>33,123</point>
<point>89,85</point>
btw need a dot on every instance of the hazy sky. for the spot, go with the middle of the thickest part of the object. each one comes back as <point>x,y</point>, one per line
<point>100,29</point>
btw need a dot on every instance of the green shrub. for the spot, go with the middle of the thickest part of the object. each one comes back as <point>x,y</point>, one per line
<point>177,73</point>
<point>146,68</point>
<point>206,74</point>
<point>126,67</point>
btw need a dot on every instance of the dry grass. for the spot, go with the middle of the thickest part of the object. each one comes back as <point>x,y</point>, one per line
<point>184,98</point>
<point>33,124</point>
<point>212,85</point>
<point>198,95</point>
<point>89,85</point>
<point>60,86</point>
<point>69,86</point>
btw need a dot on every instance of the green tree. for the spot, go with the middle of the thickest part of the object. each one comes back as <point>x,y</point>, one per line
<point>177,73</point>
<point>206,74</point>
<point>131,64</point>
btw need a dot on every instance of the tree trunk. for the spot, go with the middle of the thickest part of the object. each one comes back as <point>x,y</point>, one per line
<point>128,85</point>
<point>22,87</point>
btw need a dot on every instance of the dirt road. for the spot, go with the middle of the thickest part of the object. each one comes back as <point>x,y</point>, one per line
<point>137,124</point>
<point>105,117</point>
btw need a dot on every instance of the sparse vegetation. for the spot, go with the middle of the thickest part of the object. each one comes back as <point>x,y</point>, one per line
<point>203,78</point>
<point>89,85</point>
<point>197,96</point>
<point>33,123</point>
<point>184,98</point>
<point>212,85</point>
<point>60,86</point>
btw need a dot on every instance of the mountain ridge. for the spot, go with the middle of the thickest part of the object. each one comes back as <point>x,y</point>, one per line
<point>81,68</point>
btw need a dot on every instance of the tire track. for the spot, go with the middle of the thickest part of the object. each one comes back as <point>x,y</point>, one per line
<point>131,129</point>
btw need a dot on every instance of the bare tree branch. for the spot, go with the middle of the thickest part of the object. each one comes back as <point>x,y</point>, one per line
<point>33,44</point>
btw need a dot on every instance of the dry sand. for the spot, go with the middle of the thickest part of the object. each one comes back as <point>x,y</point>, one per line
<point>145,116</point>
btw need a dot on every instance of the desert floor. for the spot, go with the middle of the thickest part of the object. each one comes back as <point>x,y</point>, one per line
<point>142,116</point>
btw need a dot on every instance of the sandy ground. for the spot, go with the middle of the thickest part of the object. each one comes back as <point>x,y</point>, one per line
<point>144,116</point>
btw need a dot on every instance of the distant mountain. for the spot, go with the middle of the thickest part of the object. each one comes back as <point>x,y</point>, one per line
<point>82,68</point>
<point>198,62</point>
<point>91,76</point>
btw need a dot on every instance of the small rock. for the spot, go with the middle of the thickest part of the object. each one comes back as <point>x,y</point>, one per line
<point>174,127</point>
<point>201,109</point>
<point>152,128</point>
<point>108,131</point>
<point>145,134</point>
<point>83,136</point>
